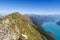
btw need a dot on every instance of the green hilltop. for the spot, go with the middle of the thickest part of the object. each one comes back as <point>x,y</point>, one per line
<point>18,27</point>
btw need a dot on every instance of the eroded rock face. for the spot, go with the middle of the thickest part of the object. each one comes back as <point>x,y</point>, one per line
<point>5,32</point>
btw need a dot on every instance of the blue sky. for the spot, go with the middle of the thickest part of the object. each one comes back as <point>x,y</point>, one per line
<point>40,7</point>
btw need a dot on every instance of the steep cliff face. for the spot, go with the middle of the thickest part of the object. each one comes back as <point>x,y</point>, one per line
<point>17,27</point>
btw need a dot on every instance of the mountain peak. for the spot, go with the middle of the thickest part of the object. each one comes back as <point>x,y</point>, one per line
<point>16,27</point>
<point>15,13</point>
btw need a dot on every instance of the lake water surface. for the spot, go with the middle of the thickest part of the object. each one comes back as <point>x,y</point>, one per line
<point>53,28</point>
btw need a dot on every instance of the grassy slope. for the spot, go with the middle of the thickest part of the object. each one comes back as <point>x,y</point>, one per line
<point>22,24</point>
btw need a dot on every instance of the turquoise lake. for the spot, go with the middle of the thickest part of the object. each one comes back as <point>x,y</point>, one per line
<point>53,28</point>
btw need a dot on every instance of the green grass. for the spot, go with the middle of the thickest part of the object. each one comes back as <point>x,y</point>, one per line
<point>21,23</point>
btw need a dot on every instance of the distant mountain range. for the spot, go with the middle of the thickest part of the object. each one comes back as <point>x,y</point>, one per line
<point>1,16</point>
<point>44,18</point>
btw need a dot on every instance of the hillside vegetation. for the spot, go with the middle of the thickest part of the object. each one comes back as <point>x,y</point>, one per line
<point>17,27</point>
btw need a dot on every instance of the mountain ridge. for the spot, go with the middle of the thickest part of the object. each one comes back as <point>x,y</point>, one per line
<point>17,27</point>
